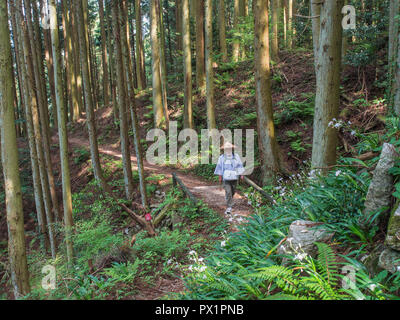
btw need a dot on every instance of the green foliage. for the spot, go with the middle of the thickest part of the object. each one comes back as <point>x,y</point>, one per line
<point>291,110</point>
<point>82,155</point>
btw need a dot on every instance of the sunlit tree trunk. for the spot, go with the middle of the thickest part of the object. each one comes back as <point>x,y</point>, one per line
<point>62,134</point>
<point>211,124</point>
<point>90,116</point>
<point>140,63</point>
<point>104,55</point>
<point>222,30</point>
<point>178,20</point>
<point>200,68</point>
<point>328,85</point>
<point>265,121</point>
<point>290,23</point>
<point>122,103</point>
<point>159,119</point>
<point>188,113</point>
<point>236,43</point>
<point>9,157</point>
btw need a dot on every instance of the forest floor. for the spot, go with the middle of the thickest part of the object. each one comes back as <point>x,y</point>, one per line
<point>293,83</point>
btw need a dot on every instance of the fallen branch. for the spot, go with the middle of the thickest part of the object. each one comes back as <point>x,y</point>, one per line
<point>176,181</point>
<point>163,213</point>
<point>259,189</point>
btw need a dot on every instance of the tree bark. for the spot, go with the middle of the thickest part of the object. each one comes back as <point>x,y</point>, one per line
<point>159,118</point>
<point>316,27</point>
<point>104,55</point>
<point>328,85</point>
<point>140,63</point>
<point>211,123</point>
<point>275,24</point>
<point>187,66</point>
<point>9,157</point>
<point>236,43</point>
<point>62,134</point>
<point>200,59</point>
<point>122,103</point>
<point>265,121</point>
<point>222,31</point>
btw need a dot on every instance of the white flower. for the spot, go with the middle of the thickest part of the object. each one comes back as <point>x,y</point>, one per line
<point>192,252</point>
<point>190,268</point>
<point>169,261</point>
<point>337,173</point>
<point>223,243</point>
<point>201,259</point>
<point>353,133</point>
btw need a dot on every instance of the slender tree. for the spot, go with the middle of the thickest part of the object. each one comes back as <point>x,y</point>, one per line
<point>236,42</point>
<point>222,30</point>
<point>9,157</point>
<point>200,68</point>
<point>393,43</point>
<point>62,132</point>
<point>159,119</point>
<point>122,103</point>
<point>211,124</point>
<point>328,85</point>
<point>104,55</point>
<point>94,151</point>
<point>265,122</point>
<point>275,28</point>
<point>316,25</point>
<point>188,114</point>
<point>140,63</point>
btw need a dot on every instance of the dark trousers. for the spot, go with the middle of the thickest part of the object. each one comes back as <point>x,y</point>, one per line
<point>230,188</point>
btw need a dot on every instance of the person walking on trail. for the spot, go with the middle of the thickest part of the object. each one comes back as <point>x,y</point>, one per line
<point>230,169</point>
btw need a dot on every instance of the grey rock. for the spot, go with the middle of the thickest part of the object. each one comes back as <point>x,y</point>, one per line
<point>380,189</point>
<point>302,237</point>
<point>371,261</point>
<point>393,231</point>
<point>390,260</point>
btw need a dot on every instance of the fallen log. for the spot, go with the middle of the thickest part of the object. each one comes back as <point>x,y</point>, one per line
<point>178,182</point>
<point>259,189</point>
<point>162,213</point>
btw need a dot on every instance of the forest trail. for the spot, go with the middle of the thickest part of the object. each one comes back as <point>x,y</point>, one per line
<point>209,192</point>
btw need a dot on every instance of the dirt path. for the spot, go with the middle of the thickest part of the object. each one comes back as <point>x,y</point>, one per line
<point>211,193</point>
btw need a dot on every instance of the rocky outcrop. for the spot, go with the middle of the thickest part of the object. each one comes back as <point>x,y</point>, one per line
<point>302,237</point>
<point>380,189</point>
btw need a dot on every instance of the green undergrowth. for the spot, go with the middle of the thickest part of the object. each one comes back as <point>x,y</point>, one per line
<point>247,265</point>
<point>107,265</point>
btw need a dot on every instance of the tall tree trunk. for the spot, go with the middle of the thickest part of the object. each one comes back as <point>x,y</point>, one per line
<point>200,59</point>
<point>236,43</point>
<point>140,63</point>
<point>275,24</point>
<point>222,30</point>
<point>178,15</point>
<point>123,103</point>
<point>40,138</point>
<point>290,23</point>
<point>211,124</point>
<point>62,134</point>
<point>94,151</point>
<point>104,55</point>
<point>159,118</point>
<point>163,68</point>
<point>316,26</point>
<point>38,195</point>
<point>9,157</point>
<point>188,113</point>
<point>265,122</point>
<point>393,45</point>
<point>328,83</point>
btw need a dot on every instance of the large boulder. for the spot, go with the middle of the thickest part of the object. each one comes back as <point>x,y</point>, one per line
<point>302,237</point>
<point>380,189</point>
<point>393,231</point>
<point>390,260</point>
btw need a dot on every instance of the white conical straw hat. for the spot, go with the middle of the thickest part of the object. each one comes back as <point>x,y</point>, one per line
<point>228,145</point>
